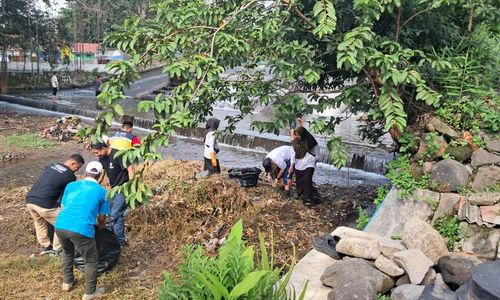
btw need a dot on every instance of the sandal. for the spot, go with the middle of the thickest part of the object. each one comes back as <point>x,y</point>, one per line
<point>326,244</point>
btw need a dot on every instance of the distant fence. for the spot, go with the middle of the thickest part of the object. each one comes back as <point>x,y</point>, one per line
<point>44,67</point>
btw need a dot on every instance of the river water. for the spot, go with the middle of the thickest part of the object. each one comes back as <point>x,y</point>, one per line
<point>25,171</point>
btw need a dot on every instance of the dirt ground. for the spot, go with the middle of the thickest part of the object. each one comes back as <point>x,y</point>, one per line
<point>182,210</point>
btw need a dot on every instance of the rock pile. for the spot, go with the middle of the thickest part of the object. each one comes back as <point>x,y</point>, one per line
<point>418,266</point>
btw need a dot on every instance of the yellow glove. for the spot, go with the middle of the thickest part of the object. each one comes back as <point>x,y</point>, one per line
<point>213,159</point>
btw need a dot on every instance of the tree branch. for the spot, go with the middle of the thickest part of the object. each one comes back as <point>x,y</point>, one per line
<point>375,91</point>
<point>301,15</point>
<point>416,15</point>
<point>398,24</point>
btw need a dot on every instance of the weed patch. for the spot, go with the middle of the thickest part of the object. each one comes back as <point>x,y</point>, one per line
<point>29,141</point>
<point>449,228</point>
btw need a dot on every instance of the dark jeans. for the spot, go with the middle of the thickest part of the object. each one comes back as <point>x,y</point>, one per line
<point>71,241</point>
<point>304,182</point>
<point>117,207</point>
<point>211,169</point>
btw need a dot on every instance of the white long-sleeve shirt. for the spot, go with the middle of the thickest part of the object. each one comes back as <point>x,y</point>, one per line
<point>210,144</point>
<point>281,155</point>
<point>53,81</point>
<point>308,161</point>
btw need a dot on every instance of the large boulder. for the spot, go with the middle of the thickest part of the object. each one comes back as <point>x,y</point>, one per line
<point>407,292</point>
<point>485,177</point>
<point>359,247</point>
<point>418,234</point>
<point>456,269</point>
<point>387,245</point>
<point>459,153</point>
<point>449,175</point>
<point>480,240</point>
<point>341,273</point>
<point>388,266</point>
<point>415,264</point>
<point>482,157</point>
<point>429,277</point>
<point>431,149</point>
<point>357,289</point>
<point>492,143</point>
<point>436,124</point>
<point>484,198</point>
<point>446,206</point>
<point>432,292</point>
<point>388,221</point>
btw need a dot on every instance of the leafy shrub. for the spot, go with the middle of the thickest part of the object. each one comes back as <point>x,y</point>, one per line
<point>401,178</point>
<point>27,141</point>
<point>232,274</point>
<point>381,193</point>
<point>449,228</point>
<point>362,219</point>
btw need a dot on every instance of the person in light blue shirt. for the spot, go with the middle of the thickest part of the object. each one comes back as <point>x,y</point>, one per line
<point>83,202</point>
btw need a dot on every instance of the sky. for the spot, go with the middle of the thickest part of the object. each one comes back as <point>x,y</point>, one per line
<point>56,5</point>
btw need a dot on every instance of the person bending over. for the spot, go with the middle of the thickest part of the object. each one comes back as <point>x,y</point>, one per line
<point>306,150</point>
<point>42,201</point>
<point>279,158</point>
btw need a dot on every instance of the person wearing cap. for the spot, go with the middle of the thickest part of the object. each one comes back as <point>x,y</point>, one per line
<point>124,139</point>
<point>42,201</point>
<point>117,174</point>
<point>279,159</point>
<point>83,202</point>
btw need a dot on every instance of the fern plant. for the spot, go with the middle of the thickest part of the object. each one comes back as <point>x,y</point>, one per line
<point>232,274</point>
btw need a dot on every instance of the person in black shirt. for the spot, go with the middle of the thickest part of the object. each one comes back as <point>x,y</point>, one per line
<point>42,200</point>
<point>117,174</point>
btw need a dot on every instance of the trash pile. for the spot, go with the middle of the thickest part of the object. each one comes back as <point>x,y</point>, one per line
<point>64,129</point>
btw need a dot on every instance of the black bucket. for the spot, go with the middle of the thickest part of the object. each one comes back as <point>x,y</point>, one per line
<point>247,177</point>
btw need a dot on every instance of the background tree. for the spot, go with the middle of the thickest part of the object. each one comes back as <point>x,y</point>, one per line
<point>393,60</point>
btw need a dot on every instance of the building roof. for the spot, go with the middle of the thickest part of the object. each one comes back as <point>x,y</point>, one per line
<point>86,47</point>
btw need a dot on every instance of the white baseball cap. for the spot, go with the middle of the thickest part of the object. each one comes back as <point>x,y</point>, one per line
<point>94,167</point>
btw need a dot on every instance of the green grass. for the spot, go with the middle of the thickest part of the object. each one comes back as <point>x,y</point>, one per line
<point>28,140</point>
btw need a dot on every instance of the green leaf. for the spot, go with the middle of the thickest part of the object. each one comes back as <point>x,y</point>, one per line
<point>118,109</point>
<point>248,283</point>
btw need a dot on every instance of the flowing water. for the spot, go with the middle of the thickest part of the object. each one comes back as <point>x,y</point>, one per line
<point>25,171</point>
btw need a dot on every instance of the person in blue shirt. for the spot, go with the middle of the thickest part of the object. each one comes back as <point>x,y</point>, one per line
<point>82,203</point>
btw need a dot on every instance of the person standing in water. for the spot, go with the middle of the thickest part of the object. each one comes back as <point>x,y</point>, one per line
<point>54,83</point>
<point>211,163</point>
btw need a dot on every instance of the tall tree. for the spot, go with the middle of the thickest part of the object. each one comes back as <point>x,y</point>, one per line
<point>383,57</point>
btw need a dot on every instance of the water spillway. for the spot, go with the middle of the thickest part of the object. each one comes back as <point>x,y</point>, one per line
<point>366,158</point>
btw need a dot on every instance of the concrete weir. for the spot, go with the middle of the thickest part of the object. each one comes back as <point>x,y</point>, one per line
<point>360,158</point>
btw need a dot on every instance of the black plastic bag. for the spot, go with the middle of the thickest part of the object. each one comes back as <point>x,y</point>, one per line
<point>247,177</point>
<point>108,251</point>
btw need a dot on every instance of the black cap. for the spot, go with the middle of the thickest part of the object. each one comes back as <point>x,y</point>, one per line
<point>98,145</point>
<point>267,163</point>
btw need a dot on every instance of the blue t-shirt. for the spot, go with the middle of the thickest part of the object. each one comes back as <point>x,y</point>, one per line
<point>81,203</point>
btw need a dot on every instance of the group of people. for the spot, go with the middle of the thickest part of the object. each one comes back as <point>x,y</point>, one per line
<point>299,159</point>
<point>281,164</point>
<point>76,208</point>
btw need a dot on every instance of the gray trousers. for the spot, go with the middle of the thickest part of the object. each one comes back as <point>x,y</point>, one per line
<point>71,241</point>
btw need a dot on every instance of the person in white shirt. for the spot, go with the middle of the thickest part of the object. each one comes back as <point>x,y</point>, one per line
<point>55,85</point>
<point>306,150</point>
<point>211,163</point>
<point>277,165</point>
